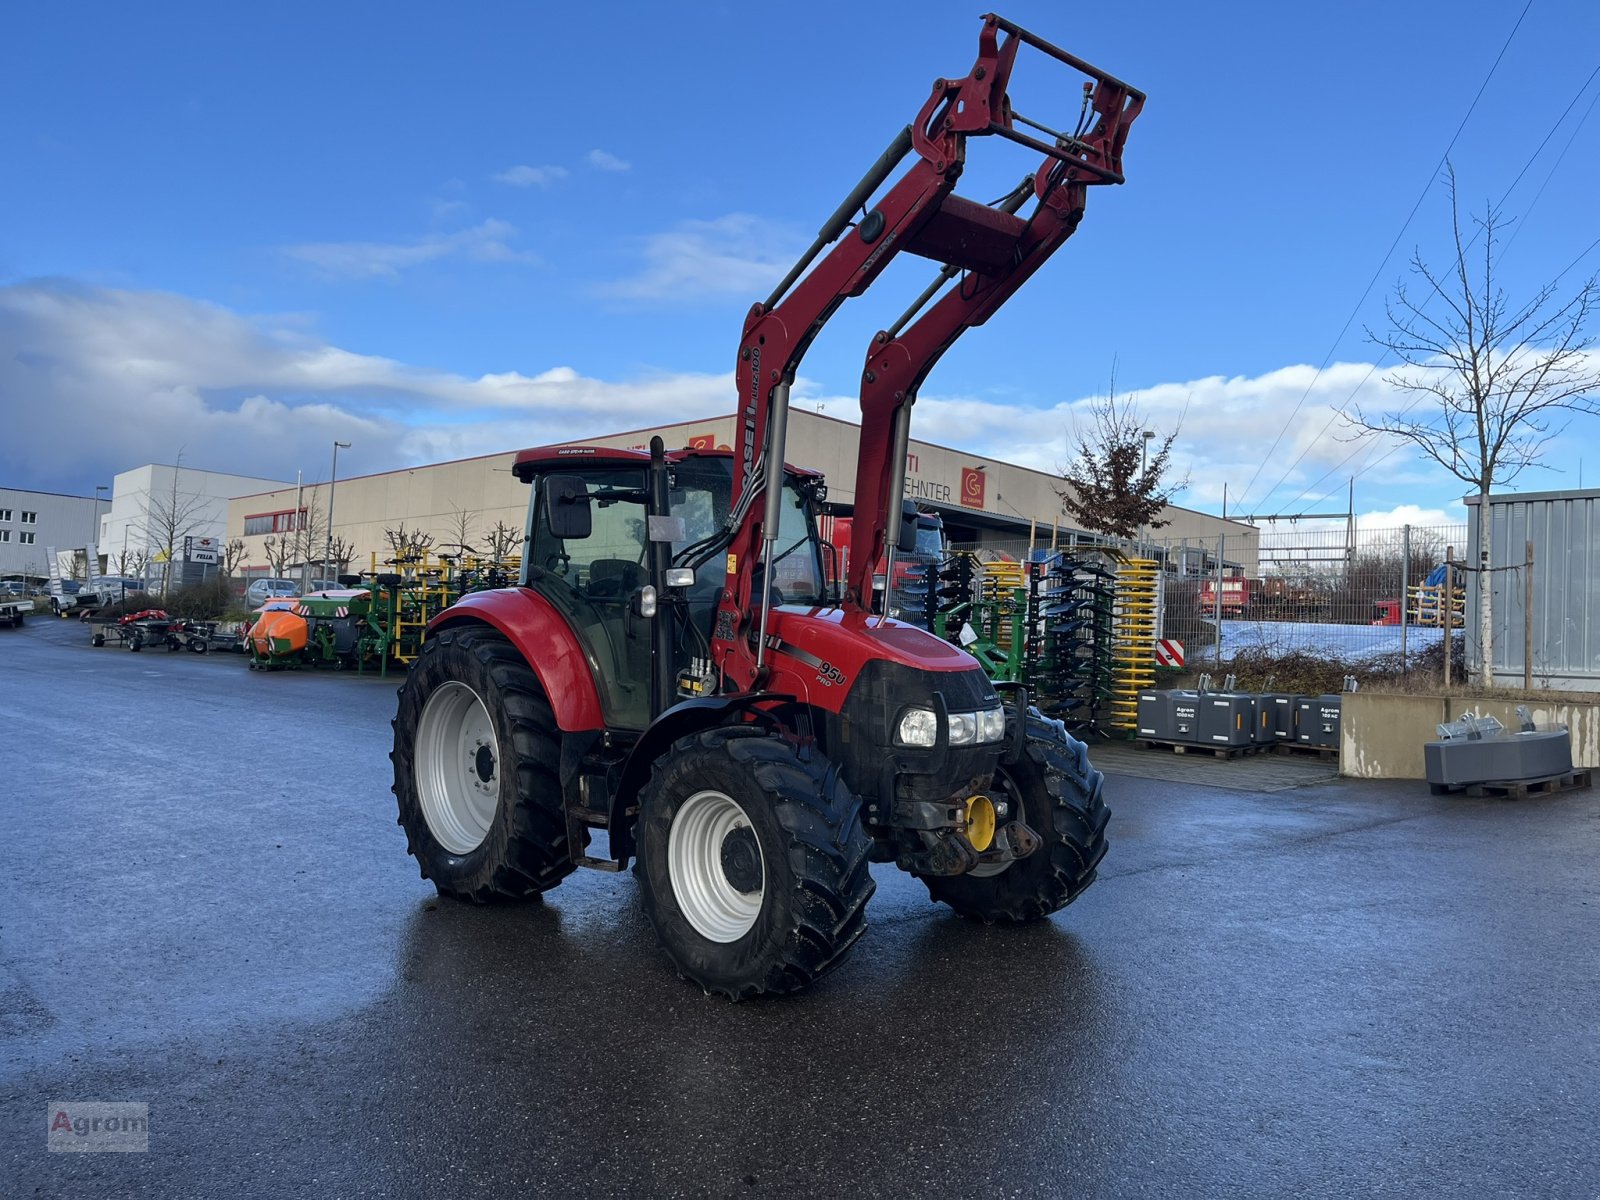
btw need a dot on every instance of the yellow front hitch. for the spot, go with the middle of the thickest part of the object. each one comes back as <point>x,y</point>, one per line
<point>980,822</point>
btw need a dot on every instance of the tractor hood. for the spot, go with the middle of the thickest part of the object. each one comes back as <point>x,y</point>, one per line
<point>850,639</point>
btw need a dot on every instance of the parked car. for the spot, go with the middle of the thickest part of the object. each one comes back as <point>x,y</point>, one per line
<point>262,590</point>
<point>13,587</point>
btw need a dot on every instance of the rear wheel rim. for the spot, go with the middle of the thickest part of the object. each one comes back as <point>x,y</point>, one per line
<point>717,909</point>
<point>457,768</point>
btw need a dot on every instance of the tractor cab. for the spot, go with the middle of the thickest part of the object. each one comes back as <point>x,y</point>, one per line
<point>591,530</point>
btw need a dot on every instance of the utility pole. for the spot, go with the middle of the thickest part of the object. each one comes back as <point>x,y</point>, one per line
<point>333,478</point>
<point>300,526</point>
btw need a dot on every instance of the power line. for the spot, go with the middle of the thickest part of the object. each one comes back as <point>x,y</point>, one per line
<point>1339,410</point>
<point>1339,466</point>
<point>1557,164</point>
<point>1432,178</point>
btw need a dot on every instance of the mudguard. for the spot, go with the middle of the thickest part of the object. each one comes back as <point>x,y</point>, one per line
<point>543,637</point>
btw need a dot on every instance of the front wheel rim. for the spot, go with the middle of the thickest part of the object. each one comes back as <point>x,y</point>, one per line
<point>1013,794</point>
<point>697,866</point>
<point>458,768</point>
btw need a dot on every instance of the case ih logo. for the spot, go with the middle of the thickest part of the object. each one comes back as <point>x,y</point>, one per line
<point>972,484</point>
<point>705,441</point>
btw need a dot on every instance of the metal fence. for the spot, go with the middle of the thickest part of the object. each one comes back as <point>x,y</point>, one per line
<point>1347,594</point>
<point>1358,596</point>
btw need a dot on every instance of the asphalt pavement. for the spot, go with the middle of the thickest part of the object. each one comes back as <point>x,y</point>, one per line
<point>1321,988</point>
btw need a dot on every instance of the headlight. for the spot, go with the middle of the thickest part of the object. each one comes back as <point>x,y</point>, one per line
<point>918,727</point>
<point>992,725</point>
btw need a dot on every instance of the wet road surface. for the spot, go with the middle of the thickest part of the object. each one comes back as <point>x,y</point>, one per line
<point>1341,988</point>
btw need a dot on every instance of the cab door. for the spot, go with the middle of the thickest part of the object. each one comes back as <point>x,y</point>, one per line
<point>594,581</point>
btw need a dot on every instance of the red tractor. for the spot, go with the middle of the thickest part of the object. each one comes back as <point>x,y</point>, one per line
<point>670,671</point>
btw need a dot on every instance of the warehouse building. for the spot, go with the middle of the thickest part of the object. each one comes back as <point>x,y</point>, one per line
<point>984,502</point>
<point>157,504</point>
<point>31,523</point>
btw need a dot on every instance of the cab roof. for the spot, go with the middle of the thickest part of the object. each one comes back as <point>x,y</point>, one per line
<point>542,459</point>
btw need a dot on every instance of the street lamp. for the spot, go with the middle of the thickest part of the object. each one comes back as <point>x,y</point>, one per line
<point>333,478</point>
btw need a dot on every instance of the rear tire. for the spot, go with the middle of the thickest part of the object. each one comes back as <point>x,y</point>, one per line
<point>476,760</point>
<point>1055,790</point>
<point>752,861</point>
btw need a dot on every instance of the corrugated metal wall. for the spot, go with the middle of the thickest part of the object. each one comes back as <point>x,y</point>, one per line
<point>1564,528</point>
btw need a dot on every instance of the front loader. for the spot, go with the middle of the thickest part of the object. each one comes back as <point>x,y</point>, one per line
<point>673,669</point>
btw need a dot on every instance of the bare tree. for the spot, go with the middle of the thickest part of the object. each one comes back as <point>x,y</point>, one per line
<point>459,528</point>
<point>233,557</point>
<point>1494,376</point>
<point>340,551</point>
<point>1115,482</point>
<point>503,539</point>
<point>278,551</point>
<point>169,518</point>
<point>308,535</point>
<point>408,544</point>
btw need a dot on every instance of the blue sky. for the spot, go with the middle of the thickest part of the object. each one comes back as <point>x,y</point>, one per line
<point>240,233</point>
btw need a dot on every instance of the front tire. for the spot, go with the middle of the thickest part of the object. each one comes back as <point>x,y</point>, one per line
<point>752,861</point>
<point>476,770</point>
<point>1056,791</point>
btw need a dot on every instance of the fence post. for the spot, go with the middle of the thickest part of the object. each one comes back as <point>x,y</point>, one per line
<point>1447,616</point>
<point>1405,593</point>
<point>1527,618</point>
<point>1216,600</point>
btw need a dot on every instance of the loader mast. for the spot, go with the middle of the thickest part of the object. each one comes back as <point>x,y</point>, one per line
<point>993,251</point>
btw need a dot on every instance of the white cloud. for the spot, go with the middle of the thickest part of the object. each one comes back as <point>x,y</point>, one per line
<point>524,176</point>
<point>602,161</point>
<point>486,242</point>
<point>735,255</point>
<point>99,380</point>
<point>1225,428</point>
<point>96,380</point>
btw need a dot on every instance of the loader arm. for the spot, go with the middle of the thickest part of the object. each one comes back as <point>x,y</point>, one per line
<point>921,213</point>
<point>901,356</point>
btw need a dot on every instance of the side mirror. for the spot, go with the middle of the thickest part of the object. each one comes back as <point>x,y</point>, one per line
<point>566,507</point>
<point>908,528</point>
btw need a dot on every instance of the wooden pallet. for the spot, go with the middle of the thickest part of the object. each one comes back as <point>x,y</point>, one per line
<point>1516,789</point>
<point>1198,748</point>
<point>1305,750</point>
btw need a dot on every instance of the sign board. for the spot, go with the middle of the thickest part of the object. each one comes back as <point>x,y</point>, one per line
<point>973,487</point>
<point>1169,652</point>
<point>201,549</point>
